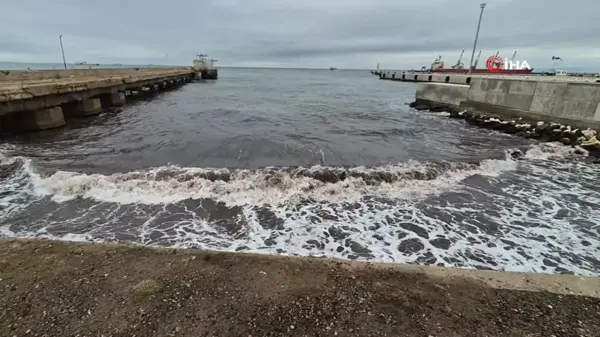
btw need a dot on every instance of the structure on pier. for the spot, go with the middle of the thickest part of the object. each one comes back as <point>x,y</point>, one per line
<point>205,67</point>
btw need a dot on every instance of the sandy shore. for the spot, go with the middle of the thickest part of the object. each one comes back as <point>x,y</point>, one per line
<point>50,288</point>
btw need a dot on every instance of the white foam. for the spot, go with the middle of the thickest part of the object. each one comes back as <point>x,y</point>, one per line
<point>16,193</point>
<point>138,206</point>
<point>553,150</point>
<point>246,187</point>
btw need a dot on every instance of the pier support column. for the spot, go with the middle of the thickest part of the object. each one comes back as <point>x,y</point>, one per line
<point>114,99</point>
<point>43,119</point>
<point>34,120</point>
<point>84,108</point>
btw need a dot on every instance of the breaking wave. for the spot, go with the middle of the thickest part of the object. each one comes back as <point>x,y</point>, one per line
<point>271,185</point>
<point>531,210</point>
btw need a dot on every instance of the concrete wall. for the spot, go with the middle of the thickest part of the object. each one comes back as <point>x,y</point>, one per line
<point>452,94</point>
<point>568,102</point>
<point>407,76</point>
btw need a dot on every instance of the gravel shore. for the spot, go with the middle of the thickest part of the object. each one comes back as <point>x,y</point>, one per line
<point>50,288</point>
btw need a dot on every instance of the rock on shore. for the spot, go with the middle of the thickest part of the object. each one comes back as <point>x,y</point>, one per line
<point>549,132</point>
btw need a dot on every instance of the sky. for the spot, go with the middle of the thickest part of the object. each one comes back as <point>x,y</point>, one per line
<point>400,34</point>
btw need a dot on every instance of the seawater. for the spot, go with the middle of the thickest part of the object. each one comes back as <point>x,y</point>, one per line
<point>305,162</point>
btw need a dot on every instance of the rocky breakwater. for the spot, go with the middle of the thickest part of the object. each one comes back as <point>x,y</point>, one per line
<point>539,130</point>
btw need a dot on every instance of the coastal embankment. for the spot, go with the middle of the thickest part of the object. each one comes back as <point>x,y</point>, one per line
<point>52,288</point>
<point>548,110</point>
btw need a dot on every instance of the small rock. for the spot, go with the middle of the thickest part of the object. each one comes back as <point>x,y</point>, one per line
<point>146,288</point>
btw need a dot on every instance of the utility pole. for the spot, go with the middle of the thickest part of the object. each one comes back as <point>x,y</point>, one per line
<point>482,5</point>
<point>63,51</point>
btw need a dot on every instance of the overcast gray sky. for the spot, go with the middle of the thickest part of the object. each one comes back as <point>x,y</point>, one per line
<point>299,33</point>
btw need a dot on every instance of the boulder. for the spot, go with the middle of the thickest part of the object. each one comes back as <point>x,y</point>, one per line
<point>591,144</point>
<point>589,133</point>
<point>566,141</point>
<point>511,127</point>
<point>578,133</point>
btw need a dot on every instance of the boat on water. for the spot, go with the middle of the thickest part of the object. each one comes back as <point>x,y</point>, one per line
<point>205,67</point>
<point>438,67</point>
<point>332,68</point>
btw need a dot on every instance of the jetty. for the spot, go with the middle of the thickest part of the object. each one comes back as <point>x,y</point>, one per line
<point>550,108</point>
<point>44,99</point>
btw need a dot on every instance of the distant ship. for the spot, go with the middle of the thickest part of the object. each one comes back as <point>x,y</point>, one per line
<point>85,64</point>
<point>438,67</point>
<point>332,68</point>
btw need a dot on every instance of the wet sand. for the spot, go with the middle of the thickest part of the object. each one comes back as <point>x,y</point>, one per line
<point>50,288</point>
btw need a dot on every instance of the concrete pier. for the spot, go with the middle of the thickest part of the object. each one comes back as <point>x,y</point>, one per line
<point>37,100</point>
<point>409,76</point>
<point>114,99</point>
<point>88,107</point>
<point>549,109</point>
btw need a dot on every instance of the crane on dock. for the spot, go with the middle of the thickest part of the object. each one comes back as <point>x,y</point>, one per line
<point>459,64</point>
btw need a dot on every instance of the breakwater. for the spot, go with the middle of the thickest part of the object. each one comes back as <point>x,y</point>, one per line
<point>563,111</point>
<point>413,76</point>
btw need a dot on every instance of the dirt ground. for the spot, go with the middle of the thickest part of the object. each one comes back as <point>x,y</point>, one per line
<point>50,288</point>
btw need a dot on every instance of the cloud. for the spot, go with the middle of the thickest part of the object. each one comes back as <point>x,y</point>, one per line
<point>309,33</point>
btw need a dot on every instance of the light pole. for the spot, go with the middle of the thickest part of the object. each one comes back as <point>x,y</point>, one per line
<point>482,5</point>
<point>63,51</point>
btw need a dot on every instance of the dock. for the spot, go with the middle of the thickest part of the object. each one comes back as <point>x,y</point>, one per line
<point>552,108</point>
<point>419,77</point>
<point>44,99</point>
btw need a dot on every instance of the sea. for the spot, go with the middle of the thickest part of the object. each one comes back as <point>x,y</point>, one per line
<point>309,163</point>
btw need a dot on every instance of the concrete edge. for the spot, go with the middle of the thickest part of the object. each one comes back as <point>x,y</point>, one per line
<point>520,281</point>
<point>44,89</point>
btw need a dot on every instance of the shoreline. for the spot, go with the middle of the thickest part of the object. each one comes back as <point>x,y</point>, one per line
<point>542,131</point>
<point>65,288</point>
